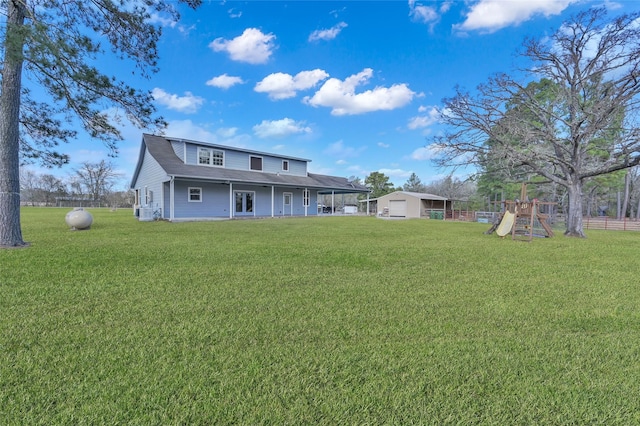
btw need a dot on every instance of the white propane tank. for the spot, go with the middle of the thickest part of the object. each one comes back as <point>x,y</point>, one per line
<point>78,219</point>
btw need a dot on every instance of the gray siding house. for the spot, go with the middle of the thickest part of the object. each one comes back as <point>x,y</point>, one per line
<point>178,179</point>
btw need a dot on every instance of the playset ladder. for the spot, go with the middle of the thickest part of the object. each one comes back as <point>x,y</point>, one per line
<point>525,213</point>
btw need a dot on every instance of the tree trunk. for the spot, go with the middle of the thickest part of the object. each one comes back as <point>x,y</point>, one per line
<point>618,205</point>
<point>10,231</point>
<point>574,213</point>
<point>625,199</point>
<point>591,201</point>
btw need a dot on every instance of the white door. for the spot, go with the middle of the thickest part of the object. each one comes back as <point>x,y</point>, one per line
<point>287,201</point>
<point>397,208</point>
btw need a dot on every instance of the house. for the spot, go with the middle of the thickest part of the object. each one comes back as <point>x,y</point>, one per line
<point>178,179</point>
<point>411,205</point>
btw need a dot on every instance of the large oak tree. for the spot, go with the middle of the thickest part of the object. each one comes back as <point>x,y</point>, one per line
<point>52,46</point>
<point>579,119</point>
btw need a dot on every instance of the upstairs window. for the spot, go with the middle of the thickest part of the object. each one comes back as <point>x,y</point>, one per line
<point>210,157</point>
<point>285,165</point>
<point>256,163</point>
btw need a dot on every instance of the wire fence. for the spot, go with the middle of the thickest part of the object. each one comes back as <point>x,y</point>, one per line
<point>557,221</point>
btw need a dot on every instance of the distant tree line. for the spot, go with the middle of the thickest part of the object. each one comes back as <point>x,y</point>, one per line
<point>90,185</point>
<point>616,194</point>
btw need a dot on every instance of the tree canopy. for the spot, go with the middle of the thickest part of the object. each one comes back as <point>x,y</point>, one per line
<point>379,184</point>
<point>413,184</point>
<point>53,46</point>
<point>96,178</point>
<point>577,118</point>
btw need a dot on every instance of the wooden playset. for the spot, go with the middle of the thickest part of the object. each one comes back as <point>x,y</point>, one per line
<point>523,218</point>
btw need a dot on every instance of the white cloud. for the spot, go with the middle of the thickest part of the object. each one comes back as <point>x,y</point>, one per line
<point>492,15</point>
<point>189,130</point>
<point>155,18</point>
<point>280,128</point>
<point>188,103</point>
<point>234,14</point>
<point>227,132</point>
<point>383,145</point>
<point>342,98</point>
<point>224,81</point>
<point>328,34</point>
<point>428,14</point>
<point>338,149</point>
<point>424,14</point>
<point>426,153</point>
<point>427,120</point>
<point>445,6</point>
<point>397,173</point>
<point>612,5</point>
<point>283,86</point>
<point>252,46</point>
<point>168,22</point>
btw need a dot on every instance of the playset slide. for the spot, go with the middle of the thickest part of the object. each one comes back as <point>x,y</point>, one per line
<point>506,224</point>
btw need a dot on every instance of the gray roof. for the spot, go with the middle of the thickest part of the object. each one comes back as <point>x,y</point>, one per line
<point>424,196</point>
<point>161,150</point>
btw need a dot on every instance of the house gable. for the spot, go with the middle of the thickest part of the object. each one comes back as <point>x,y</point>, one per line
<point>148,170</point>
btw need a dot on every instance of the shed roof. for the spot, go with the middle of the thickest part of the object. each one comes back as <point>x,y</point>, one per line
<point>160,149</point>
<point>420,195</point>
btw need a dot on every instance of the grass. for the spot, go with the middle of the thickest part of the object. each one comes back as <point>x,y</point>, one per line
<point>343,320</point>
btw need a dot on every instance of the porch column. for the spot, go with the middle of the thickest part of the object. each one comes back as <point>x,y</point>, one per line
<point>444,215</point>
<point>171,198</point>
<point>273,201</point>
<point>333,198</point>
<point>368,212</point>
<point>230,200</point>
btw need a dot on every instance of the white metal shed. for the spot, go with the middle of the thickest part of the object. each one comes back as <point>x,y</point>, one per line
<point>404,204</point>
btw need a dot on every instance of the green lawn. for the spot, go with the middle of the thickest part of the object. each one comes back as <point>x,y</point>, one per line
<point>334,320</point>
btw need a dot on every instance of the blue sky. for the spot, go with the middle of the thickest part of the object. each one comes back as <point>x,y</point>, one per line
<point>352,86</point>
